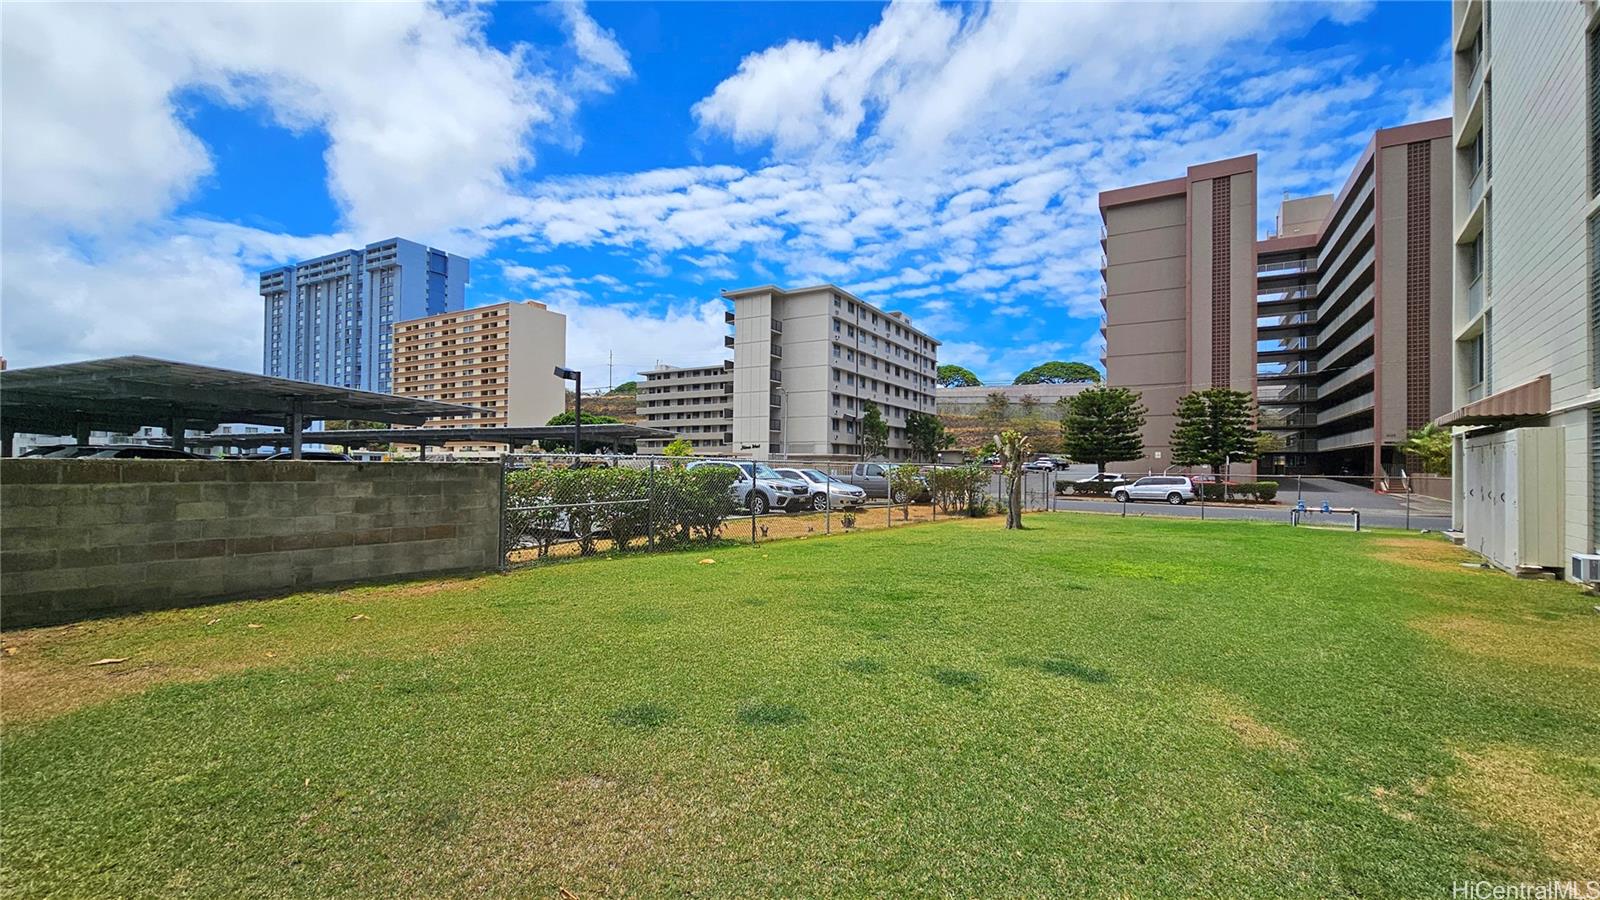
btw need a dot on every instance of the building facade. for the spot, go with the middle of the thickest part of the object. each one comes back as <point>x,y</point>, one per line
<point>1337,323</point>
<point>331,320</point>
<point>1527,280</point>
<point>807,362</point>
<point>1041,400</point>
<point>695,402</point>
<point>499,358</point>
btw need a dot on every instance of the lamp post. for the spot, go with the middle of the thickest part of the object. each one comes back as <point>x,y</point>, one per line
<point>576,377</point>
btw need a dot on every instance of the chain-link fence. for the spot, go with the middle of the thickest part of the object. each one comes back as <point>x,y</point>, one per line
<point>563,505</point>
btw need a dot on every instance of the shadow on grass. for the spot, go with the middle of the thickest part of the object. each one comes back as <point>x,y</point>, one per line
<point>862,665</point>
<point>1064,667</point>
<point>640,715</point>
<point>959,678</point>
<point>760,714</point>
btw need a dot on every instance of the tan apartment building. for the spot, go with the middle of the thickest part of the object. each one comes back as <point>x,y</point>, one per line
<point>499,358</point>
<point>694,402</point>
<point>1526,323</point>
<point>806,363</point>
<point>1338,322</point>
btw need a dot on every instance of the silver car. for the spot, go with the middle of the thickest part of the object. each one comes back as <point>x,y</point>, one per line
<point>826,491</point>
<point>1175,489</point>
<point>760,489</point>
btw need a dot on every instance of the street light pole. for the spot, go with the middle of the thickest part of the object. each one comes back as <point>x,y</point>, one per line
<point>576,377</point>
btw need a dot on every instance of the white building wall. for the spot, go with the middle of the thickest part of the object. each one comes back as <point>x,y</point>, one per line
<point>1537,311</point>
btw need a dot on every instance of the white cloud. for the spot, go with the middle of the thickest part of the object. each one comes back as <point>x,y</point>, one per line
<point>427,125</point>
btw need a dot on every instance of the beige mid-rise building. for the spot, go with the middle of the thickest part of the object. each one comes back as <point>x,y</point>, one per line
<point>1337,323</point>
<point>806,363</point>
<point>1526,322</point>
<point>694,402</point>
<point>499,358</point>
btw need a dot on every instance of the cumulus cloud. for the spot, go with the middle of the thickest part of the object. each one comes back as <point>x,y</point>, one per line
<point>427,126</point>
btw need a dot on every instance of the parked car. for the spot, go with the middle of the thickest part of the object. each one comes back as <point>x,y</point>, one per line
<point>111,451</point>
<point>874,478</point>
<point>1042,464</point>
<point>307,456</point>
<point>992,461</point>
<point>1175,489</point>
<point>826,490</point>
<point>1103,481</point>
<point>759,488</point>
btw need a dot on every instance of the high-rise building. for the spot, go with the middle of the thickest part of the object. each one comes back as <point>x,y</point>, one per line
<point>695,402</point>
<point>499,358</point>
<point>331,319</point>
<point>1337,323</point>
<point>1527,280</point>
<point>807,362</point>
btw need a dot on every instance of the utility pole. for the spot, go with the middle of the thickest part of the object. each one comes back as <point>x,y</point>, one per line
<point>610,382</point>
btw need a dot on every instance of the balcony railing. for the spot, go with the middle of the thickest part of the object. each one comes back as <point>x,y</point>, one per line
<point>1475,297</point>
<point>1285,267</point>
<point>1288,320</point>
<point>727,340</point>
<point>777,326</point>
<point>1475,189</point>
<point>1475,80</point>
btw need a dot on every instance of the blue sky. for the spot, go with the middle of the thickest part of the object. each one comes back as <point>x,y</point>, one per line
<point>626,161</point>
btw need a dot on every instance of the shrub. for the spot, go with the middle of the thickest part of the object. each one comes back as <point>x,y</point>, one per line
<point>1265,491</point>
<point>546,504</point>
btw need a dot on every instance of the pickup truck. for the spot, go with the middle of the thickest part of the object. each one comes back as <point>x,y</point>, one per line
<point>874,479</point>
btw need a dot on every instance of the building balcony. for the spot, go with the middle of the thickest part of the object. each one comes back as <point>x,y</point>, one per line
<point>777,325</point>
<point>777,376</point>
<point>1359,438</point>
<point>1354,406</point>
<point>1475,297</point>
<point>727,316</point>
<point>1285,267</point>
<point>1280,371</point>
<point>777,351</point>
<point>1475,190</point>
<point>1351,375</point>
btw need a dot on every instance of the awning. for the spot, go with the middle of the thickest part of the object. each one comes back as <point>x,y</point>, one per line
<point>1525,401</point>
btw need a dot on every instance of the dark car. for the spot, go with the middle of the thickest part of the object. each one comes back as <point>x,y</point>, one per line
<point>111,451</point>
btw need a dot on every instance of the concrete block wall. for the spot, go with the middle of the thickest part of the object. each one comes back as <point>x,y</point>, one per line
<point>84,537</point>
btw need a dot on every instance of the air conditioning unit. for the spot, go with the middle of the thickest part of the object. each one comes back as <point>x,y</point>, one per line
<point>1586,567</point>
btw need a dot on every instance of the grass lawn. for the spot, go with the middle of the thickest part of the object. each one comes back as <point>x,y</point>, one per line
<point>1094,706</point>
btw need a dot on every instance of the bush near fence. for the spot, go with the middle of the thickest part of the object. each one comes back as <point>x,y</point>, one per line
<point>665,506</point>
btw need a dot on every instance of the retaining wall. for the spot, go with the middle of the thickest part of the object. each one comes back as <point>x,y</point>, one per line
<point>84,537</point>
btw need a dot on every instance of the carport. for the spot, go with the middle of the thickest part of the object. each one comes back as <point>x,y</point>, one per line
<point>612,435</point>
<point>125,393</point>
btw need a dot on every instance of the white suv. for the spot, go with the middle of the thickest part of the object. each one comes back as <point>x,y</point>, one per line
<point>1174,489</point>
<point>767,490</point>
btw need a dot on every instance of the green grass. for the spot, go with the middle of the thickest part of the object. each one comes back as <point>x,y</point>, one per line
<point>1092,706</point>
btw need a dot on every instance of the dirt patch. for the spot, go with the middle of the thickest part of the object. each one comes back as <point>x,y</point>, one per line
<point>1564,643</point>
<point>1252,732</point>
<point>598,833</point>
<point>1422,553</point>
<point>1513,785</point>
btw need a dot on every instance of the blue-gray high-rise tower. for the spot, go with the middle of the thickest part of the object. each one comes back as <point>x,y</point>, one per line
<point>330,320</point>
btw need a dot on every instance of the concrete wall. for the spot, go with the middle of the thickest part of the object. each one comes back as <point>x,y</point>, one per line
<point>83,537</point>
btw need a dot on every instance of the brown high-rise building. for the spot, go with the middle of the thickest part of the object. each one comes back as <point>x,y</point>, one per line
<point>1338,322</point>
<point>499,358</point>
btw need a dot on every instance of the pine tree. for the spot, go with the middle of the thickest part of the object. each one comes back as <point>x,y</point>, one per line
<point>1214,426</point>
<point>1102,425</point>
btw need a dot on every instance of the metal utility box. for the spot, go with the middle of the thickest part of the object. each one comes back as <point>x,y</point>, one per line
<point>1514,505</point>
